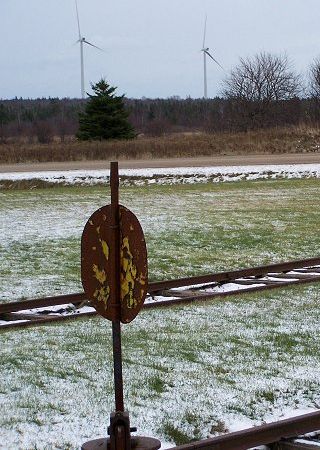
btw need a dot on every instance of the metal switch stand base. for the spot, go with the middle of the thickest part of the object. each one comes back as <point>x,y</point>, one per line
<point>137,443</point>
<point>120,438</point>
<point>119,431</point>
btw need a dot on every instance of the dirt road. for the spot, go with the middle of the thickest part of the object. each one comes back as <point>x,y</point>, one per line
<point>234,160</point>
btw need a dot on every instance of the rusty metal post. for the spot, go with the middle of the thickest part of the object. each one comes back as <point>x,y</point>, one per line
<point>115,286</point>
<point>119,429</point>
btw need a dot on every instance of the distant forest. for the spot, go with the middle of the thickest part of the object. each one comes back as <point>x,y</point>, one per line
<point>43,120</point>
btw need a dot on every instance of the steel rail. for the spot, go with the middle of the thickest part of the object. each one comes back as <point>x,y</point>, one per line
<point>219,277</point>
<point>42,302</point>
<point>158,304</point>
<point>212,295</point>
<point>268,434</point>
<point>154,287</point>
<point>25,319</point>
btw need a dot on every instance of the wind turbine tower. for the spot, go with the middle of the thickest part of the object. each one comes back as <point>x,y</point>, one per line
<point>205,51</point>
<point>82,40</point>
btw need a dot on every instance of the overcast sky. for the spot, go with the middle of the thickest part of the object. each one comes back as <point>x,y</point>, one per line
<point>151,48</point>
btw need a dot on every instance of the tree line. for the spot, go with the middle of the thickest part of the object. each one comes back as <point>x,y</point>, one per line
<point>262,91</point>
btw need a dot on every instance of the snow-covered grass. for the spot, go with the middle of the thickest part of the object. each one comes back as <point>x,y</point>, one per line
<point>141,177</point>
<point>190,372</point>
<point>190,230</point>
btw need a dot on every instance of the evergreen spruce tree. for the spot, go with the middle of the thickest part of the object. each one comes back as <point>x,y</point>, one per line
<point>105,116</point>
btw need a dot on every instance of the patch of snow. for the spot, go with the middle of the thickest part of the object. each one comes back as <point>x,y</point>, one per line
<point>227,287</point>
<point>270,278</point>
<point>171,175</point>
<point>306,442</point>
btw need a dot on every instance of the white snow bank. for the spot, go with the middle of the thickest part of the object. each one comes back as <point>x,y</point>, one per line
<point>170,175</point>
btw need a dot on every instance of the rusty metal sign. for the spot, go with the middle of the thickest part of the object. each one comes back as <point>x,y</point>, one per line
<point>97,264</point>
<point>114,274</point>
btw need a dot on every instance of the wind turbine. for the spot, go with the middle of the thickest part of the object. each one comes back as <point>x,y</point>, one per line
<point>205,51</point>
<point>82,40</point>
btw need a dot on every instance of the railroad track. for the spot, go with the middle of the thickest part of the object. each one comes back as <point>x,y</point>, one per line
<point>295,433</point>
<point>166,293</point>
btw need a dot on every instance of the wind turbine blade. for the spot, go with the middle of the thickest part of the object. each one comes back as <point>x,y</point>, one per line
<point>207,53</point>
<point>89,43</point>
<point>204,32</point>
<point>78,19</point>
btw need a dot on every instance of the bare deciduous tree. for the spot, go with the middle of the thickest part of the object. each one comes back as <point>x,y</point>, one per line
<point>257,83</point>
<point>313,91</point>
<point>265,77</point>
<point>314,79</point>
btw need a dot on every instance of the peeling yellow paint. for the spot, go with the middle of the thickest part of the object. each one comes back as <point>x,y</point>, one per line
<point>105,249</point>
<point>129,276</point>
<point>102,294</point>
<point>100,275</point>
<point>103,243</point>
<point>126,246</point>
<point>142,279</point>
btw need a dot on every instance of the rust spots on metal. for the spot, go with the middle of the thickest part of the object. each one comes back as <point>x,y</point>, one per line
<point>133,265</point>
<point>96,263</point>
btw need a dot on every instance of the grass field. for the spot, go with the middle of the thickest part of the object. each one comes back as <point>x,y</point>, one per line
<point>299,139</point>
<point>191,372</point>
<point>189,230</point>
